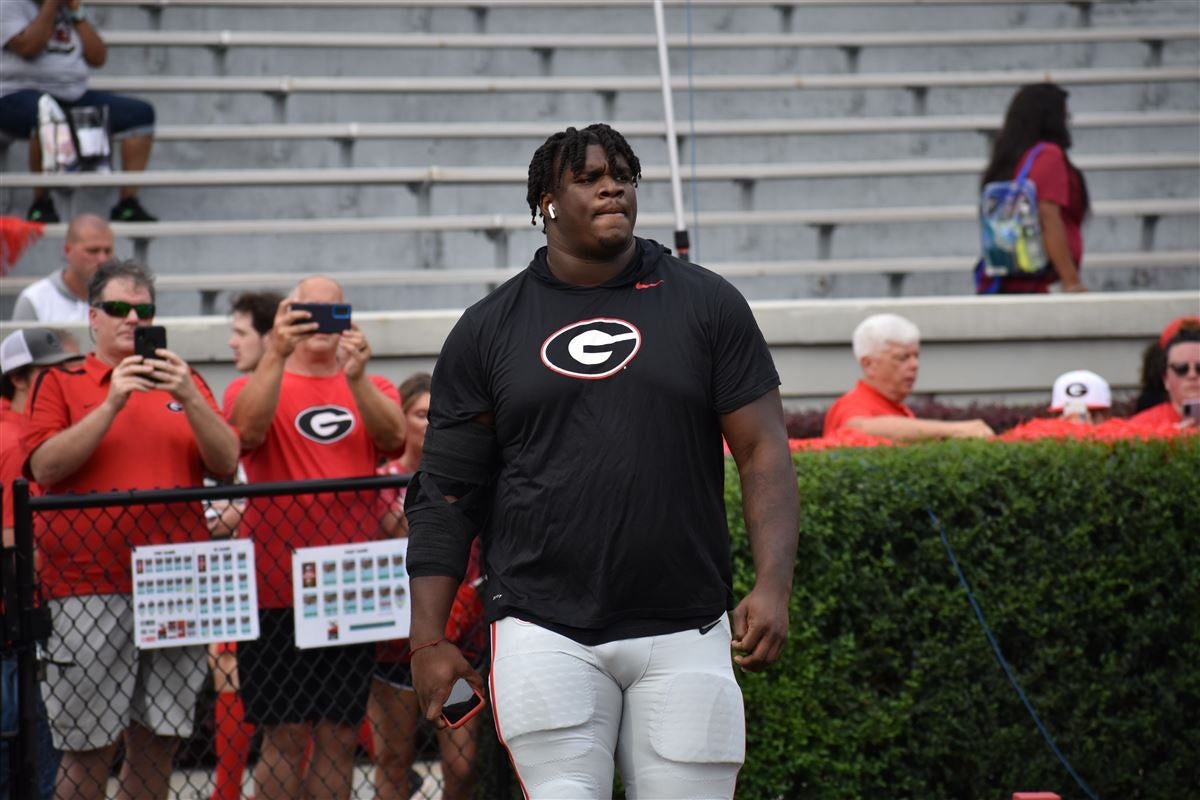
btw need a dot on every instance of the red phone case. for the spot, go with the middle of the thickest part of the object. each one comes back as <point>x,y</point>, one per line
<point>470,714</point>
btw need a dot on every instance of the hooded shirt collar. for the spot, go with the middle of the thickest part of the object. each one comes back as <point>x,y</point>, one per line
<point>645,261</point>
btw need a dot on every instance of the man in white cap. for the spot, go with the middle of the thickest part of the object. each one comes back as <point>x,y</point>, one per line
<point>1081,396</point>
<point>23,354</point>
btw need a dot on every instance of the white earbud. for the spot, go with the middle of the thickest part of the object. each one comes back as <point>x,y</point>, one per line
<point>550,210</point>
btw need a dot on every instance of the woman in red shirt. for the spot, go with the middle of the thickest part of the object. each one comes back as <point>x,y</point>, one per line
<point>393,708</point>
<point>1037,115</point>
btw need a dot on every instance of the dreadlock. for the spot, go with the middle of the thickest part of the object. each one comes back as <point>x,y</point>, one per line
<point>569,149</point>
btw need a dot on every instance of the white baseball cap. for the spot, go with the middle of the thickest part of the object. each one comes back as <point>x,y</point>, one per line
<point>39,346</point>
<point>1080,386</point>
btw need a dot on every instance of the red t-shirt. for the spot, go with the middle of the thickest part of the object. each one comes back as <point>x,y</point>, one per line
<point>861,401</point>
<point>1162,414</point>
<point>150,445</point>
<point>316,433</point>
<point>12,456</point>
<point>1058,184</point>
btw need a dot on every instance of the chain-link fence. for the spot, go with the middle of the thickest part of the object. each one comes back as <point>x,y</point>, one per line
<point>149,680</point>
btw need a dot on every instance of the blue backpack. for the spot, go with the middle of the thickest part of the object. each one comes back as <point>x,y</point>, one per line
<point>1010,229</point>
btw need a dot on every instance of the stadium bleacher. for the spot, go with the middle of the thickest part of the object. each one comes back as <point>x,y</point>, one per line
<point>828,137</point>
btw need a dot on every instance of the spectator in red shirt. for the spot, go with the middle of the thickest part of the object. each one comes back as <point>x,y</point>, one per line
<point>1181,380</point>
<point>1036,115</point>
<point>887,347</point>
<point>24,354</point>
<point>393,709</point>
<point>1081,396</point>
<point>118,421</point>
<point>1154,362</point>
<point>309,410</point>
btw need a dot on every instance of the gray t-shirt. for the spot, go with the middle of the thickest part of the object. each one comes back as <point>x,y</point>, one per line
<point>49,300</point>
<point>58,70</point>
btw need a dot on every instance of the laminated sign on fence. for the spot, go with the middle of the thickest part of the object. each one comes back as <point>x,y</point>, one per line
<point>352,593</point>
<point>194,593</point>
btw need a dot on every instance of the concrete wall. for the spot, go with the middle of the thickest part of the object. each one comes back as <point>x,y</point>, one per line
<point>400,251</point>
<point>996,349</point>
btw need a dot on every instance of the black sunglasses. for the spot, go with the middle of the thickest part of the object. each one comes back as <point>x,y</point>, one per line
<point>121,309</point>
<point>1181,368</point>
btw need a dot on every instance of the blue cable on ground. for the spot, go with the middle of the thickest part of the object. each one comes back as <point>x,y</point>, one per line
<point>987,631</point>
<point>962,579</point>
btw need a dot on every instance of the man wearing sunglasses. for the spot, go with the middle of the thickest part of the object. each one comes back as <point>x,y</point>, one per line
<point>1181,379</point>
<point>115,422</point>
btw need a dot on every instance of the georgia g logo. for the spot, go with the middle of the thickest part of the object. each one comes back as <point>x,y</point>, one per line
<point>591,349</point>
<point>325,424</point>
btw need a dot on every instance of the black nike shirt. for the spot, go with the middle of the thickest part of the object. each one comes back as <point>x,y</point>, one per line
<point>608,517</point>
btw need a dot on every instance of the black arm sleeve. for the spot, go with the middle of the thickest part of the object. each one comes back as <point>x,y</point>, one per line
<point>460,462</point>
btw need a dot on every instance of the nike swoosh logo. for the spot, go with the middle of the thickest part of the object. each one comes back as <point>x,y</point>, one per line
<point>640,285</point>
<point>706,628</point>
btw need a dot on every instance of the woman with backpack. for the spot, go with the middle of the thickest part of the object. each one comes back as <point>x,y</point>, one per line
<point>1034,138</point>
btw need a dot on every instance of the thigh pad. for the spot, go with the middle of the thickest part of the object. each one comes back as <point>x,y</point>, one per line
<point>701,720</point>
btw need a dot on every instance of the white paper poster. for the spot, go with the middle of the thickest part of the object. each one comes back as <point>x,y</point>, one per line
<point>351,593</point>
<point>195,593</point>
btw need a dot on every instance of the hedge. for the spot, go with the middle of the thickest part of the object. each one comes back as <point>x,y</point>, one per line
<point>809,423</point>
<point>1088,573</point>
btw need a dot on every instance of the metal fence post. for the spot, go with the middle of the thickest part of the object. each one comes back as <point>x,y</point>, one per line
<point>25,750</point>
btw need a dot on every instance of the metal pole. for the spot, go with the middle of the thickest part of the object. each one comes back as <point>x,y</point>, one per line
<point>682,246</point>
<point>25,778</point>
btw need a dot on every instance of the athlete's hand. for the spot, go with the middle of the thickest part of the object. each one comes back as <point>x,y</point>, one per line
<point>760,628</point>
<point>354,352</point>
<point>434,671</point>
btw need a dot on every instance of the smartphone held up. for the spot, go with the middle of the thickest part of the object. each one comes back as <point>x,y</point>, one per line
<point>330,317</point>
<point>147,341</point>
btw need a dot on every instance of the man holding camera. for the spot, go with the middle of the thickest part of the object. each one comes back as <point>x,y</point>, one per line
<point>309,410</point>
<point>118,421</point>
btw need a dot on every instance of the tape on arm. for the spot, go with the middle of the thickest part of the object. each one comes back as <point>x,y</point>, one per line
<point>459,461</point>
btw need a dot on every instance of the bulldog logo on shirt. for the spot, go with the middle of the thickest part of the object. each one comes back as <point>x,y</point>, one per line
<point>325,424</point>
<point>591,349</point>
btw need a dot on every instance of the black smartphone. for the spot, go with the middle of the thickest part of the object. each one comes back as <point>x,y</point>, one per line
<point>462,704</point>
<point>1191,409</point>
<point>330,317</point>
<point>149,338</point>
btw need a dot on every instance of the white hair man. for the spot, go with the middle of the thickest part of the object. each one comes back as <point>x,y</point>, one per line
<point>887,348</point>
